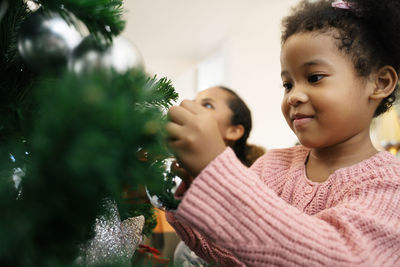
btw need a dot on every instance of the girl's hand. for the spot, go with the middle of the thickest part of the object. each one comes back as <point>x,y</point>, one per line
<point>194,136</point>
<point>181,173</point>
<point>186,180</point>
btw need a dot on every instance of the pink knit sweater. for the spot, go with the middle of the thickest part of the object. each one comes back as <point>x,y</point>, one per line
<point>271,214</point>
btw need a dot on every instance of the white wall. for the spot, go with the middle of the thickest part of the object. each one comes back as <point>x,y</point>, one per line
<point>251,67</point>
<point>235,43</point>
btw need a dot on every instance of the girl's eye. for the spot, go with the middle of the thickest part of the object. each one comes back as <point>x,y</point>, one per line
<point>315,78</point>
<point>287,86</point>
<point>208,105</point>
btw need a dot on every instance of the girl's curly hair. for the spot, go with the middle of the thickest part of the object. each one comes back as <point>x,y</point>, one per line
<point>367,32</point>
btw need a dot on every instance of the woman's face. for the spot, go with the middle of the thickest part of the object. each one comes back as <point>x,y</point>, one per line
<point>216,101</point>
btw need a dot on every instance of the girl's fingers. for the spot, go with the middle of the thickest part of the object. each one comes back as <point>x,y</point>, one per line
<point>185,112</point>
<point>194,136</point>
<point>176,137</point>
<point>179,115</point>
<point>180,191</point>
<point>192,106</point>
<point>176,169</point>
<point>181,172</point>
<point>177,145</point>
<point>174,131</point>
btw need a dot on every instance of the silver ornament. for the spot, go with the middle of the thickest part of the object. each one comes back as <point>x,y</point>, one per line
<point>47,40</point>
<point>154,198</point>
<point>90,55</point>
<point>114,241</point>
<point>32,5</point>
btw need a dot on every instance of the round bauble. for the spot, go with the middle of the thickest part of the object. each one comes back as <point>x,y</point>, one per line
<point>46,41</point>
<point>91,55</point>
<point>156,201</point>
<point>165,199</point>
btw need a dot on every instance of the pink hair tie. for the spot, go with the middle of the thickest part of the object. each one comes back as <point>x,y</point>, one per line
<point>342,4</point>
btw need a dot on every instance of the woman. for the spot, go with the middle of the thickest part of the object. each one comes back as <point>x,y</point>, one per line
<point>234,122</point>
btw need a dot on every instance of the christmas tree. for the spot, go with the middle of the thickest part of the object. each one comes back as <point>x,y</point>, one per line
<point>77,126</point>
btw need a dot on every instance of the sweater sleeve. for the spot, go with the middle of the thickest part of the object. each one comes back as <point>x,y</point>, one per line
<point>201,245</point>
<point>233,209</point>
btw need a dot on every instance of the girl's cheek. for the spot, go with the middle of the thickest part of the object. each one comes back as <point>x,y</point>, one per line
<point>284,107</point>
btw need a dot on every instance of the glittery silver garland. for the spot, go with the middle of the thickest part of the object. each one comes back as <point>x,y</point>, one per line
<point>114,241</point>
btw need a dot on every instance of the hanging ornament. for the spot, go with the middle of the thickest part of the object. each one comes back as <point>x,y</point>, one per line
<point>164,199</point>
<point>33,5</point>
<point>90,54</point>
<point>47,40</point>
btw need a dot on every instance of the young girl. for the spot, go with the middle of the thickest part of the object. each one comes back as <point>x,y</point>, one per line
<point>234,122</point>
<point>333,201</point>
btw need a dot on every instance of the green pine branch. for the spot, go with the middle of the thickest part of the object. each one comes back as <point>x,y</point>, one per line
<point>83,134</point>
<point>163,92</point>
<point>84,148</point>
<point>103,18</point>
<point>17,80</point>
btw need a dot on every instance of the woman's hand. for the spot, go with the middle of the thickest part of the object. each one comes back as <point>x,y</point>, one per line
<point>194,136</point>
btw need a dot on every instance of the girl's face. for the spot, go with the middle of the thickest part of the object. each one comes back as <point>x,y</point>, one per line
<point>325,101</point>
<point>216,101</point>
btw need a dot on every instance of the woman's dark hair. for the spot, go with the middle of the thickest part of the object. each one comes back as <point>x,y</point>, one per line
<point>367,32</point>
<point>242,115</point>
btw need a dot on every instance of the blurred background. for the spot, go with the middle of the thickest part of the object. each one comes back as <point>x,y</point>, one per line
<point>235,43</point>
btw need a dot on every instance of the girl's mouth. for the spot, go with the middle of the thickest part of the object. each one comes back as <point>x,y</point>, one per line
<point>301,120</point>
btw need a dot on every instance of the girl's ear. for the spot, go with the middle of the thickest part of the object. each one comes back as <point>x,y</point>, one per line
<point>385,82</point>
<point>234,132</point>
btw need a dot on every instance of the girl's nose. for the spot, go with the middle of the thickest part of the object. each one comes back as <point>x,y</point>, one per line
<point>297,97</point>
